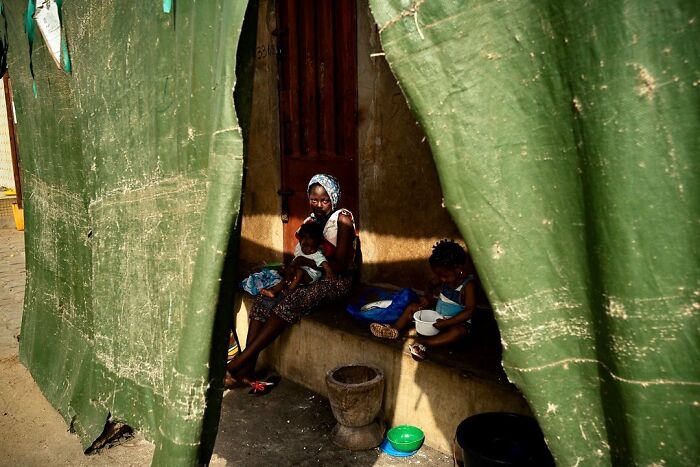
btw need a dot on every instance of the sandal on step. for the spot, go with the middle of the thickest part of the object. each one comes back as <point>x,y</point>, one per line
<point>260,388</point>
<point>417,351</point>
<point>384,331</point>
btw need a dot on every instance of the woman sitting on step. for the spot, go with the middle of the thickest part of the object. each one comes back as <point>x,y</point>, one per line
<point>270,317</point>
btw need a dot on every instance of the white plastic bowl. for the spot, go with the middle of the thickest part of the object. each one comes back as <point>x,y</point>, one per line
<point>424,322</point>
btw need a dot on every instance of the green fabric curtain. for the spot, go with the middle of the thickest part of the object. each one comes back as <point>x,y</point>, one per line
<point>132,171</point>
<point>566,137</point>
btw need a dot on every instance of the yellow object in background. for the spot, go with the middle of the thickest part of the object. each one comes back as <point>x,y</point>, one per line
<point>19,216</point>
<point>10,192</point>
<point>232,347</point>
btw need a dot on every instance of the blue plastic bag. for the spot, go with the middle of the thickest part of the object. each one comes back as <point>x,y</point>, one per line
<point>257,281</point>
<point>399,301</point>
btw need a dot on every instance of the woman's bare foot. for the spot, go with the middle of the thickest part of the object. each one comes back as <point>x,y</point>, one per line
<point>231,381</point>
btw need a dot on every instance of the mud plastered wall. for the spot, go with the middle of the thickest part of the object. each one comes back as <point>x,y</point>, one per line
<point>261,234</point>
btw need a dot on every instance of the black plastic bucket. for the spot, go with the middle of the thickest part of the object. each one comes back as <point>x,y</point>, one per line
<point>502,439</point>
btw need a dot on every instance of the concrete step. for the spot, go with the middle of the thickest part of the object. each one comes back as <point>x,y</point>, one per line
<point>435,394</point>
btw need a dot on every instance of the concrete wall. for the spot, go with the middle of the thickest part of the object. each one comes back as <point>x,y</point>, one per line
<point>261,236</point>
<point>401,209</point>
<point>400,195</point>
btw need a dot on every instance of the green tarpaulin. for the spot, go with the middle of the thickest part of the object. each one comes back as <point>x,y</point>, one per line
<point>566,136</point>
<point>132,169</point>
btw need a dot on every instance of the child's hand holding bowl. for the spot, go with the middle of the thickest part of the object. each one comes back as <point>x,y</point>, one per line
<point>440,323</point>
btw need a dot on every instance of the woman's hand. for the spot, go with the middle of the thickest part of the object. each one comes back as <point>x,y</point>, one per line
<point>327,271</point>
<point>441,323</point>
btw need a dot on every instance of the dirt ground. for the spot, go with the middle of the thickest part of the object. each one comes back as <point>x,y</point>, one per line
<point>32,433</point>
<point>290,426</point>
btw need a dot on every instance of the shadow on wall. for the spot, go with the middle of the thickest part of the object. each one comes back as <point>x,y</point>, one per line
<point>412,273</point>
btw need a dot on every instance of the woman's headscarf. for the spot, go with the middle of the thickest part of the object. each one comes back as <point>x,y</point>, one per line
<point>330,184</point>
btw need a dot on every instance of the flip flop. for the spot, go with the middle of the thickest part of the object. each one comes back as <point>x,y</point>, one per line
<point>417,352</point>
<point>261,388</point>
<point>383,331</point>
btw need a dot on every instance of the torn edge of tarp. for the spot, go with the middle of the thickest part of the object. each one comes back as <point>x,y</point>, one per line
<point>30,30</point>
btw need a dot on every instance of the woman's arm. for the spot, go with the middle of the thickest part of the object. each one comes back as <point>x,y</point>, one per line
<point>344,252</point>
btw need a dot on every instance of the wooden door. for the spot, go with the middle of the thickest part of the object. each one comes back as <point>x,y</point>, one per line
<point>9,106</point>
<point>317,41</point>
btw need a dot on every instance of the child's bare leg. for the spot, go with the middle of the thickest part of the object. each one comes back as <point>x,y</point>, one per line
<point>406,318</point>
<point>271,292</point>
<point>445,337</point>
<point>301,277</point>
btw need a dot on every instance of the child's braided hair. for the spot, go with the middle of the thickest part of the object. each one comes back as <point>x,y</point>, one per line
<point>447,253</point>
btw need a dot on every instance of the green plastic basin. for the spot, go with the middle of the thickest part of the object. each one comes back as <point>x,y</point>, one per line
<point>405,438</point>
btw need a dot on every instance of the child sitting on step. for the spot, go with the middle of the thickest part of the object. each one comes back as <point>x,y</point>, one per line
<point>451,293</point>
<point>310,237</point>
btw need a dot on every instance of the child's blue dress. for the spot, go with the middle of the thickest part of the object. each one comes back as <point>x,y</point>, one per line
<point>449,303</point>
